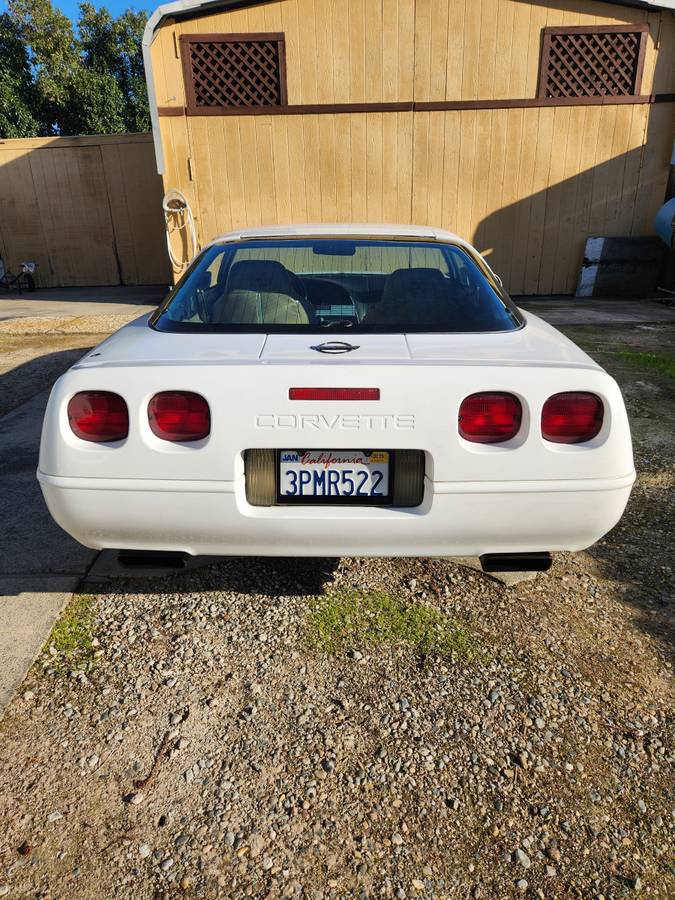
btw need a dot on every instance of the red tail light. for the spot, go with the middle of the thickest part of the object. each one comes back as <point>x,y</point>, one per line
<point>334,394</point>
<point>179,416</point>
<point>490,418</point>
<point>572,418</point>
<point>98,416</point>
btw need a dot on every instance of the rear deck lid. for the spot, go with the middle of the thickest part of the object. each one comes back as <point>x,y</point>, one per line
<point>326,347</point>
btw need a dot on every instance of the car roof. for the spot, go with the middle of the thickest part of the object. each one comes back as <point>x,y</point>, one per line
<point>337,230</point>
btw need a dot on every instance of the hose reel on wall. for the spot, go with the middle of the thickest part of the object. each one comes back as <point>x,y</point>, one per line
<point>179,221</point>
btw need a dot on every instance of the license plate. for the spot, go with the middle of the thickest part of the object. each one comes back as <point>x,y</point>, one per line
<point>352,475</point>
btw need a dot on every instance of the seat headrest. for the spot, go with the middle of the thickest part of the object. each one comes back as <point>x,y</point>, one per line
<point>328,293</point>
<point>261,276</point>
<point>415,284</point>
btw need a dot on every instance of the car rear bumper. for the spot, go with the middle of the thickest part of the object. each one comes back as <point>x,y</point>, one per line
<point>454,519</point>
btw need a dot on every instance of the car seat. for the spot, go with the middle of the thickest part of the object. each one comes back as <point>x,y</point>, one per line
<point>415,297</point>
<point>261,292</point>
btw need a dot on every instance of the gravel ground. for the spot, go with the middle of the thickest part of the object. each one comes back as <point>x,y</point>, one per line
<point>99,324</point>
<point>199,741</point>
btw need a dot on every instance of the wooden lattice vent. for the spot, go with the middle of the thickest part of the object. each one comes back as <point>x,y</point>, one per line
<point>592,62</point>
<point>234,72</point>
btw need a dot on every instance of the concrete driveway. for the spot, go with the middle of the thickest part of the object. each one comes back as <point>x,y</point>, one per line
<point>75,302</point>
<point>40,566</point>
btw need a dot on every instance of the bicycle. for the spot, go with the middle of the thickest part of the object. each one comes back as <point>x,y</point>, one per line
<point>23,280</point>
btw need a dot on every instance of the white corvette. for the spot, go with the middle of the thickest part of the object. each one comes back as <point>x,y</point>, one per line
<point>335,390</point>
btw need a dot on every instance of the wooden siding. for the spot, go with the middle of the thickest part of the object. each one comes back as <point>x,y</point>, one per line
<point>490,49</point>
<point>87,210</point>
<point>526,185</point>
<point>360,51</point>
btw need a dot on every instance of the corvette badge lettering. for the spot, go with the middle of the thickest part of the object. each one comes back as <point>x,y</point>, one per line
<point>347,422</point>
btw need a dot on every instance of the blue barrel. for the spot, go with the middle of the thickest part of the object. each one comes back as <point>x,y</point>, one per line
<point>664,223</point>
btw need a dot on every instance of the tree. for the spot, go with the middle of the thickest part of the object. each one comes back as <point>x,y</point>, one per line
<point>55,79</point>
<point>113,47</point>
<point>17,96</point>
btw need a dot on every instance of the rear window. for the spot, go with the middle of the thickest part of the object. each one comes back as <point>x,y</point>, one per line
<point>282,286</point>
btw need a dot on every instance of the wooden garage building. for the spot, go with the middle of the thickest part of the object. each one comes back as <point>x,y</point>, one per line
<point>523,125</point>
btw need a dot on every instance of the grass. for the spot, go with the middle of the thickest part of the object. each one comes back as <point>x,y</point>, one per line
<point>72,636</point>
<point>353,620</point>
<point>653,362</point>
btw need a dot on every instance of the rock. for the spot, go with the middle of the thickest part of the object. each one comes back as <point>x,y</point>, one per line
<point>396,839</point>
<point>256,843</point>
<point>135,798</point>
<point>522,885</point>
<point>54,816</point>
<point>166,864</point>
<point>522,858</point>
<point>144,851</point>
<point>551,871</point>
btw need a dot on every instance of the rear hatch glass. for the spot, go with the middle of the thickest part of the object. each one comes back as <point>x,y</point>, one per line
<point>337,285</point>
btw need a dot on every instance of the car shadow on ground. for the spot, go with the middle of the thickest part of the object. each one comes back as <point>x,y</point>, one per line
<point>30,376</point>
<point>637,557</point>
<point>268,576</point>
<point>641,576</point>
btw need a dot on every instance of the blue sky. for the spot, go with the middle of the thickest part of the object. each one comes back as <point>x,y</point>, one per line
<point>71,7</point>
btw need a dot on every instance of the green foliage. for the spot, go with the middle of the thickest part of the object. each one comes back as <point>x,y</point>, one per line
<point>96,104</point>
<point>353,620</point>
<point>57,79</point>
<point>71,642</point>
<point>652,362</point>
<point>17,97</point>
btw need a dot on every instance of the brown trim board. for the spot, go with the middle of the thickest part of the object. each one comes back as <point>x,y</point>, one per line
<point>409,106</point>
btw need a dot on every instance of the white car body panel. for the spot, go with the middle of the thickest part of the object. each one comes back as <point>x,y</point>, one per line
<point>525,495</point>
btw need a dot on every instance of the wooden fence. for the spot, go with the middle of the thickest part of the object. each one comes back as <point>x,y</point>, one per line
<point>88,210</point>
